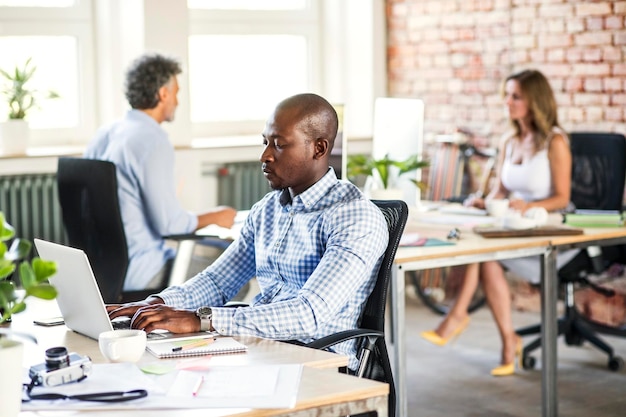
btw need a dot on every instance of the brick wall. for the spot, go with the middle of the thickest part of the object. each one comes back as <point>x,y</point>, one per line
<point>453,54</point>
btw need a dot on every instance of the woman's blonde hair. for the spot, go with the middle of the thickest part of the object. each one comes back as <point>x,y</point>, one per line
<point>536,90</point>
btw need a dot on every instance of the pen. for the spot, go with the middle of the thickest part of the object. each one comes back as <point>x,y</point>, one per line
<point>196,388</point>
<point>197,343</point>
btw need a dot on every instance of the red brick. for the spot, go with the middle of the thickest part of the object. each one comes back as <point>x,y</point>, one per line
<point>574,54</point>
<point>619,69</point>
<point>613,84</point>
<point>618,100</point>
<point>619,7</point>
<point>575,114</point>
<point>523,41</point>
<point>615,114</point>
<point>593,84</point>
<point>554,25</point>
<point>601,70</point>
<point>537,55</point>
<point>592,55</point>
<point>586,8</point>
<point>574,85</point>
<point>612,54</point>
<point>555,10</point>
<point>551,41</point>
<point>575,25</point>
<point>555,55</point>
<point>594,23</point>
<point>619,38</point>
<point>523,13</point>
<point>594,114</point>
<point>593,38</point>
<point>590,99</point>
<point>520,27</point>
<point>614,22</point>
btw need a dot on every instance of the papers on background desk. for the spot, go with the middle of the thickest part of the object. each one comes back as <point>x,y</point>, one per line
<point>223,232</point>
<point>414,239</point>
<point>462,210</point>
<point>263,386</point>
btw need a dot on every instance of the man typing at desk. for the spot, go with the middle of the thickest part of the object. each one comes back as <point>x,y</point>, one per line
<point>314,244</point>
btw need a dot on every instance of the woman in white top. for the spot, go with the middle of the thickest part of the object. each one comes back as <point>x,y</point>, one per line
<point>534,170</point>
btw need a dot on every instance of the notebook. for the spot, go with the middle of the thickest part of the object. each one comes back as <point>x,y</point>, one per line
<point>194,346</point>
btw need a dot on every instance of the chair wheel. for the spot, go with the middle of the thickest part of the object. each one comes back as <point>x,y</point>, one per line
<point>528,362</point>
<point>616,363</point>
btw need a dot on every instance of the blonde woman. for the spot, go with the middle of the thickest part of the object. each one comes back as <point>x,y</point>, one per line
<point>534,170</point>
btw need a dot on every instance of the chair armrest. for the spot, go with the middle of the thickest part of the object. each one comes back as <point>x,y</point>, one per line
<point>236,304</point>
<point>333,339</point>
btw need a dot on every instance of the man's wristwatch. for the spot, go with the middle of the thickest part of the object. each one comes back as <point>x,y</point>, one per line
<point>206,315</point>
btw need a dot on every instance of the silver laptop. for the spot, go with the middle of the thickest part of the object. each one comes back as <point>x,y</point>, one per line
<point>79,297</point>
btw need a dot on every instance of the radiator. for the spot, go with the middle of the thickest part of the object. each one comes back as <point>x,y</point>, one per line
<point>30,204</point>
<point>241,184</point>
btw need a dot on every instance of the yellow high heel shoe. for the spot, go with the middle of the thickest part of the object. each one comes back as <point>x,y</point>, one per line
<point>509,368</point>
<point>434,338</point>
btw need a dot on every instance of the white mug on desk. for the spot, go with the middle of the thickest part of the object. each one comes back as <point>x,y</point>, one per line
<point>122,345</point>
<point>497,207</point>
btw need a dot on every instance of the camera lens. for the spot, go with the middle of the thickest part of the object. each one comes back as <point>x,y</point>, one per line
<point>57,357</point>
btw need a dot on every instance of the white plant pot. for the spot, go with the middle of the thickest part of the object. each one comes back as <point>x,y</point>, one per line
<point>11,357</point>
<point>14,137</point>
<point>386,194</point>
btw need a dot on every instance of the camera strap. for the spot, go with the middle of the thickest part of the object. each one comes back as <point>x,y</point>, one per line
<point>102,397</point>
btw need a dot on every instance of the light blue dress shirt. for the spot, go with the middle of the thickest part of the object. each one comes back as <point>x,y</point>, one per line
<point>316,260</point>
<point>144,158</point>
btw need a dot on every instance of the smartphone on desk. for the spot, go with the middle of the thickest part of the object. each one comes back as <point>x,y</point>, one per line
<point>49,321</point>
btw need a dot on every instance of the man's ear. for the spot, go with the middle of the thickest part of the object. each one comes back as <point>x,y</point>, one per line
<point>321,148</point>
<point>163,93</point>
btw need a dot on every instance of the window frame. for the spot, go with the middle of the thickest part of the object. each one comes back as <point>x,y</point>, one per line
<point>305,23</point>
<point>75,21</point>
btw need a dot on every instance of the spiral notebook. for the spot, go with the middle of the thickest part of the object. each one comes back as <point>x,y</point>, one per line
<point>194,346</point>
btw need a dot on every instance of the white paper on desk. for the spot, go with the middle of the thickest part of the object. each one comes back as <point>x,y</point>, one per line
<point>458,219</point>
<point>262,386</point>
<point>103,378</point>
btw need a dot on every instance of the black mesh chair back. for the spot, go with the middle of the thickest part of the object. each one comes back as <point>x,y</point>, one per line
<point>373,355</point>
<point>92,220</point>
<point>598,166</point>
<point>598,175</point>
<point>379,368</point>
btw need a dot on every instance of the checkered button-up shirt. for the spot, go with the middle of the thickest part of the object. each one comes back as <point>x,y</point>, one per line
<point>315,258</point>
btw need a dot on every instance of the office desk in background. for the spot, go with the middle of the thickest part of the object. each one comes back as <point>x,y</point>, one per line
<point>473,248</point>
<point>322,389</point>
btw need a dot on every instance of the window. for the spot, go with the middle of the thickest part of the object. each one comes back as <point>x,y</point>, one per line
<point>56,36</point>
<point>246,56</point>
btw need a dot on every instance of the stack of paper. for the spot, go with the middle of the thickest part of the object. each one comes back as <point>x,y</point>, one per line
<point>594,218</point>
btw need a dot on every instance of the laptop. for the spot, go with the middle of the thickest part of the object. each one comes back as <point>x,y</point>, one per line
<point>78,297</point>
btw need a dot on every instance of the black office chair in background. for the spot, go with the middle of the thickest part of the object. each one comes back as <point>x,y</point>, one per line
<point>373,356</point>
<point>92,220</point>
<point>598,172</point>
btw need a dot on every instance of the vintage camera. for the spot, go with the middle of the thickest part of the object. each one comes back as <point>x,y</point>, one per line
<point>60,368</point>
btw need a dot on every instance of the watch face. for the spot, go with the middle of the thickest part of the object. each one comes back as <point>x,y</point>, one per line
<point>204,311</point>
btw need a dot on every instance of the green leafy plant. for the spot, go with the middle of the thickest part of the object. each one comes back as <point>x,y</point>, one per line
<point>19,97</point>
<point>33,274</point>
<point>382,169</point>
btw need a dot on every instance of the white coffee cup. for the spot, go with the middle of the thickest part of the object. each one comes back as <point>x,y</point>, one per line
<point>122,345</point>
<point>497,207</point>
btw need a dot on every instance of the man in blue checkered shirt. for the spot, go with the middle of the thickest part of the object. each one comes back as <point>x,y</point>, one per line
<point>314,245</point>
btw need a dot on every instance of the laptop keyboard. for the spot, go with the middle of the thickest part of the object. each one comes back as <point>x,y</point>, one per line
<point>121,324</point>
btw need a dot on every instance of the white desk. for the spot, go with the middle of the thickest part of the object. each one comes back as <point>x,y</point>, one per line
<point>323,391</point>
<point>473,248</point>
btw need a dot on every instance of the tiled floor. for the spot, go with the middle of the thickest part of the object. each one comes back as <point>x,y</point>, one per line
<point>454,380</point>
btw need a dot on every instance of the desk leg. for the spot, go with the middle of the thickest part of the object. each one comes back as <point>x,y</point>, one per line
<point>184,252</point>
<point>398,338</point>
<point>549,288</point>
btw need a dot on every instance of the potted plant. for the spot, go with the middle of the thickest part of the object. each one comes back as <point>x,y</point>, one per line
<point>384,173</point>
<point>20,99</point>
<point>34,277</point>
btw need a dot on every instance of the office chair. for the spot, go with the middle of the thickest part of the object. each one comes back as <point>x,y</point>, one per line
<point>598,172</point>
<point>93,222</point>
<point>373,356</point>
